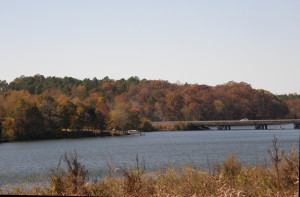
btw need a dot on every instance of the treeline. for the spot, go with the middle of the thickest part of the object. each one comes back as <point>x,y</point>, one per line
<point>293,103</point>
<point>289,96</point>
<point>38,84</point>
<point>38,107</point>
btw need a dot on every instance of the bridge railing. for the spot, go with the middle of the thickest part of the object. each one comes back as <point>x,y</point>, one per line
<point>226,124</point>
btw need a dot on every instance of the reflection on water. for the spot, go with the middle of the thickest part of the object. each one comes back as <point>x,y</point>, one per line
<point>20,160</point>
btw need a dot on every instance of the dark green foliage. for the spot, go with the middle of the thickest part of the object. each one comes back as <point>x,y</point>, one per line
<point>3,85</point>
<point>38,84</point>
<point>289,96</point>
<point>132,81</point>
<point>146,125</point>
<point>66,112</point>
<point>49,108</point>
<point>34,123</point>
<point>91,117</point>
<point>100,123</point>
<point>29,121</point>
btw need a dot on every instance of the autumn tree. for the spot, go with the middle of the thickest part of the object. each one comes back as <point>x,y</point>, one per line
<point>90,118</point>
<point>29,122</point>
<point>64,103</point>
<point>219,108</point>
<point>146,125</point>
<point>3,85</point>
<point>102,114</point>
<point>49,108</point>
<point>79,118</point>
<point>79,92</point>
<point>294,107</point>
<point>124,117</point>
<point>99,112</point>
<point>67,113</point>
<point>174,104</point>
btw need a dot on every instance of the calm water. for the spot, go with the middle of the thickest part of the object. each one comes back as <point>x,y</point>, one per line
<point>21,160</point>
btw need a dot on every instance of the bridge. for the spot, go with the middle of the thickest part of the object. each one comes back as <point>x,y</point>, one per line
<point>227,124</point>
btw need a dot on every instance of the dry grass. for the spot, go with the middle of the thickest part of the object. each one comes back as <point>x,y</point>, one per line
<point>70,181</point>
<point>229,179</point>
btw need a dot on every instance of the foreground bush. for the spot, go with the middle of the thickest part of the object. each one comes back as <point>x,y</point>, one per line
<point>229,179</point>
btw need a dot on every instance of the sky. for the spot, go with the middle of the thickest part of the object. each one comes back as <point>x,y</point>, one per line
<point>203,41</point>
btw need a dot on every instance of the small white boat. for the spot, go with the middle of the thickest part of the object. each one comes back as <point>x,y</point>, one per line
<point>135,132</point>
<point>132,132</point>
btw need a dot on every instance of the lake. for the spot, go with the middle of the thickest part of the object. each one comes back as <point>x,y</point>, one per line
<point>159,150</point>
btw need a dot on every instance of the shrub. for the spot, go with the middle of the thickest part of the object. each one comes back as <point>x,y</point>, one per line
<point>72,180</point>
<point>133,178</point>
<point>232,166</point>
<point>8,127</point>
<point>146,125</point>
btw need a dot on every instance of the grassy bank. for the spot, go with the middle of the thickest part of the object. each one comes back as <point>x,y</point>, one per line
<point>187,126</point>
<point>71,134</point>
<point>230,178</point>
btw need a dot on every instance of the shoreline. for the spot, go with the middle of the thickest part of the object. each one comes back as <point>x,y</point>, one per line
<point>90,134</point>
<point>68,135</point>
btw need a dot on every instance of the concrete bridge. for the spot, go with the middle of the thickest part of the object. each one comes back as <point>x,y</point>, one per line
<point>227,124</point>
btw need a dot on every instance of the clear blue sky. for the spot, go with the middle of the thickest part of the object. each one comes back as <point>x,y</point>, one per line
<point>206,42</point>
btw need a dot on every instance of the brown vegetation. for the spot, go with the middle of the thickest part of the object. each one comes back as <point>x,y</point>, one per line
<point>40,108</point>
<point>229,179</point>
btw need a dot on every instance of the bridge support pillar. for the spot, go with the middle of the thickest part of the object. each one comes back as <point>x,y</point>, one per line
<point>223,127</point>
<point>261,127</point>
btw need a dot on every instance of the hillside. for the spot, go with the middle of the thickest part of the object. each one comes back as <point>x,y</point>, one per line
<point>53,103</point>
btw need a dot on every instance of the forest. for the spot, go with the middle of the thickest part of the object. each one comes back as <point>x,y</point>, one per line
<point>38,107</point>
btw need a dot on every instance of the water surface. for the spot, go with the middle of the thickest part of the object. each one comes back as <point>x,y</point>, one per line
<point>21,160</point>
